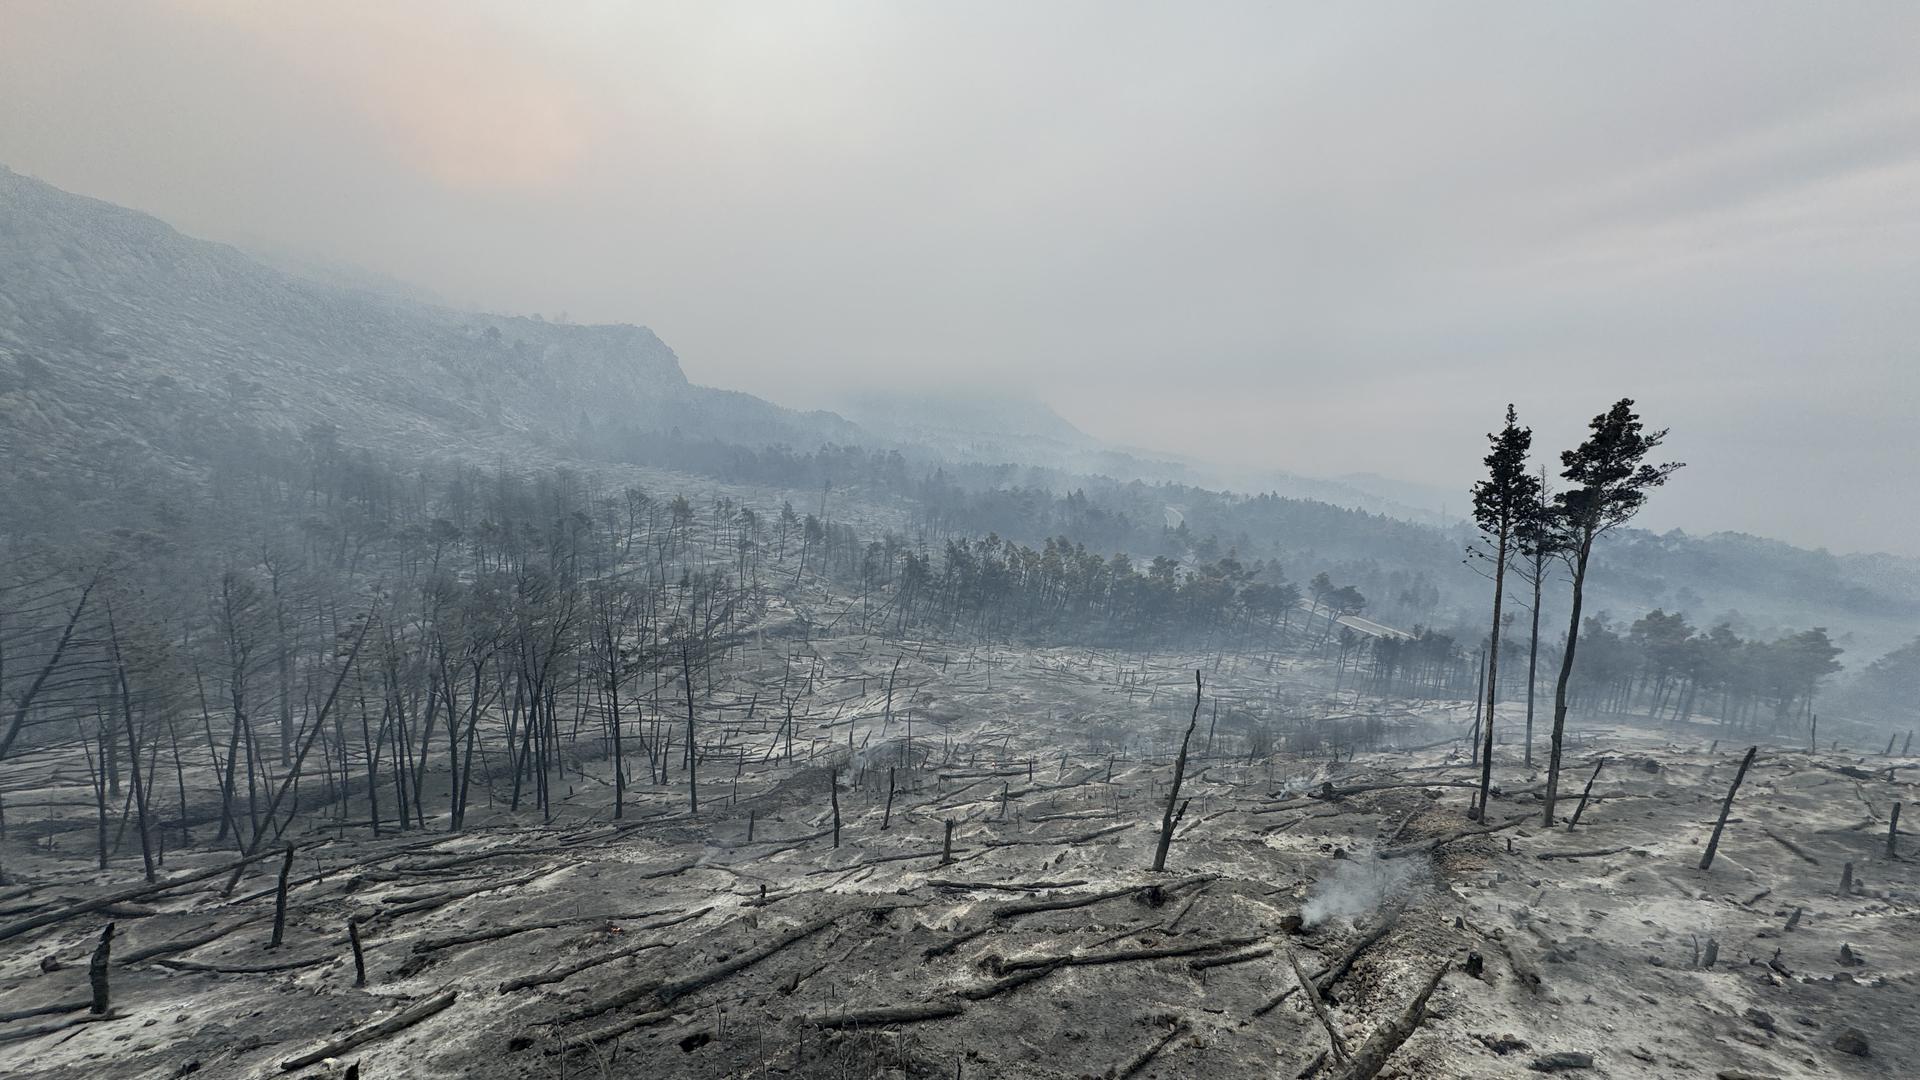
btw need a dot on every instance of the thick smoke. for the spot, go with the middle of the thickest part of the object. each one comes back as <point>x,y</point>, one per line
<point>1358,886</point>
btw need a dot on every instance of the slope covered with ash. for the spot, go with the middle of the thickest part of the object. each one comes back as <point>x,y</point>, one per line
<point>970,895</point>
<point>118,331</point>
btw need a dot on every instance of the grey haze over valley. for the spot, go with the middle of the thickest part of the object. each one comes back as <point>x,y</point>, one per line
<point>958,540</point>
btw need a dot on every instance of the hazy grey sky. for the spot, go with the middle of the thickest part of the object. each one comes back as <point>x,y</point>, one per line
<point>1324,237</point>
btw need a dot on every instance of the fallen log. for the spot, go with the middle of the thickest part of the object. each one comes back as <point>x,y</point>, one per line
<point>1205,962</point>
<point>1145,1057</point>
<point>409,906</point>
<point>954,942</point>
<point>1328,791</point>
<point>1061,903</point>
<point>1173,924</point>
<point>399,1021</point>
<point>1594,854</point>
<point>1066,840</point>
<point>1076,815</point>
<point>336,871</point>
<point>668,992</point>
<point>886,1015</point>
<point>665,992</point>
<point>554,975</point>
<point>1010,982</point>
<point>1791,846</point>
<point>13,930</point>
<point>473,937</point>
<point>1338,1041</point>
<point>1339,968</point>
<point>508,850</point>
<point>1272,829</point>
<point>1287,804</point>
<point>1426,846</point>
<point>165,948</point>
<point>13,1034</point>
<point>1004,886</point>
<point>1120,956</point>
<point>944,853</point>
<point>670,871</point>
<point>1373,1054</point>
<point>244,969</point>
<point>792,982</point>
<point>1402,827</point>
<point>792,842</point>
<point>615,1030</point>
<point>43,1010</point>
<point>114,911</point>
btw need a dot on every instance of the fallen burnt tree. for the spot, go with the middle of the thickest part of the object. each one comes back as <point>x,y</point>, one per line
<point>666,991</point>
<point>399,1021</point>
<point>887,1015</point>
<point>1372,1055</point>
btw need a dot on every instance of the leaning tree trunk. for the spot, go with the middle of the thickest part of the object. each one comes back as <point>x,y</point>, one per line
<point>1566,674</point>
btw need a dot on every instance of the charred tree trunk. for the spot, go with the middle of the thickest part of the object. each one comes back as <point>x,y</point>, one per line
<point>1726,808</point>
<point>97,972</point>
<point>693,748</point>
<point>280,901</point>
<point>1173,794</point>
<point>1560,686</point>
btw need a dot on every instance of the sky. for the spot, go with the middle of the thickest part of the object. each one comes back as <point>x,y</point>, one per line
<point>1322,238</point>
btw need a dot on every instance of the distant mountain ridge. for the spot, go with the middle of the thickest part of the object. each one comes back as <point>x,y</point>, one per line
<point>968,422</point>
<point>118,325</point>
<point>121,329</point>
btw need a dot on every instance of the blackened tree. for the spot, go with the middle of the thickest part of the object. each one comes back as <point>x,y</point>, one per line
<point>1537,536</point>
<point>1609,477</point>
<point>1501,503</point>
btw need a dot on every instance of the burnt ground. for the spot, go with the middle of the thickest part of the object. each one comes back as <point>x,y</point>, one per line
<point>669,944</point>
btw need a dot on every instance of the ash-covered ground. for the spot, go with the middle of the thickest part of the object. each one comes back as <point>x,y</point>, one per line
<point>742,940</point>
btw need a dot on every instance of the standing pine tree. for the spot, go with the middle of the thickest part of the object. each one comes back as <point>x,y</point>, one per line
<point>1537,537</point>
<point>1500,505</point>
<point>1611,477</point>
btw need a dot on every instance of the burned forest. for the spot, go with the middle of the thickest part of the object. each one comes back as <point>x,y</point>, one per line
<point>391,688</point>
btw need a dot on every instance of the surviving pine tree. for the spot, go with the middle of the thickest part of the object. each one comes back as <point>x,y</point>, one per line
<point>1501,504</point>
<point>1610,477</point>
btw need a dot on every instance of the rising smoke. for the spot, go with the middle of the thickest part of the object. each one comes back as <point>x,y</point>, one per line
<point>1358,886</point>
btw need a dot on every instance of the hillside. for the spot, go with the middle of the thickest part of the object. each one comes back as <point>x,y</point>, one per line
<point>128,350</point>
<point>115,328</point>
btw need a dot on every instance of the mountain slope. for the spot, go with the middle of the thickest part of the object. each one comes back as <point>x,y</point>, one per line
<point>130,354</point>
<point>115,326</point>
<point>963,424</point>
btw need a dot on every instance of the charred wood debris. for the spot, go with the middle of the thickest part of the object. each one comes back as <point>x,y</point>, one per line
<point>900,876</point>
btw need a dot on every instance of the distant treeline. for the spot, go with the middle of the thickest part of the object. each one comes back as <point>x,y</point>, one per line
<point>1412,570</point>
